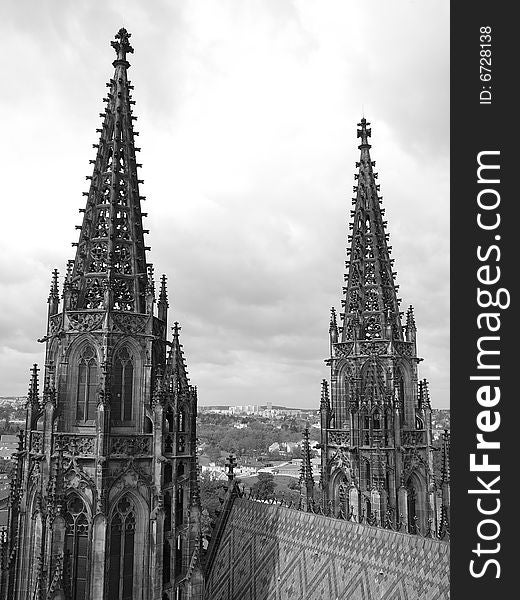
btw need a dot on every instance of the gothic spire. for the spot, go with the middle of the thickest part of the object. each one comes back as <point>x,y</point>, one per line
<point>162,305</point>
<point>324,402</point>
<point>370,300</point>
<point>109,271</point>
<point>306,468</point>
<point>306,479</point>
<point>33,396</point>
<point>176,374</point>
<point>54,294</point>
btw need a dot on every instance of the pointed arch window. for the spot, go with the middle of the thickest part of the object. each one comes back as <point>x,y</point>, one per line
<point>181,423</point>
<point>122,541</point>
<point>122,388</point>
<point>86,398</point>
<point>76,545</point>
<point>169,419</point>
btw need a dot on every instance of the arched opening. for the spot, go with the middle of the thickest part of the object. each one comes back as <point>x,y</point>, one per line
<point>76,545</point>
<point>167,556</point>
<point>86,393</point>
<point>168,473</point>
<point>121,551</point>
<point>416,499</point>
<point>367,508</point>
<point>148,425</point>
<point>168,417</point>
<point>180,470</point>
<point>122,388</point>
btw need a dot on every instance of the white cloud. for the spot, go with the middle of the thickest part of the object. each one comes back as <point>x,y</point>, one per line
<point>247,119</point>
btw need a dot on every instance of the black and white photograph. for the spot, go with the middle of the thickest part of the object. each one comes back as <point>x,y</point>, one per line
<point>225,300</point>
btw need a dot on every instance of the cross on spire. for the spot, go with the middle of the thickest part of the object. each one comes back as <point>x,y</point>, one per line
<point>364,133</point>
<point>122,44</point>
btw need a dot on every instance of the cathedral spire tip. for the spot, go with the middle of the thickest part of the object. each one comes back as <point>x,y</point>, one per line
<point>122,44</point>
<point>364,133</point>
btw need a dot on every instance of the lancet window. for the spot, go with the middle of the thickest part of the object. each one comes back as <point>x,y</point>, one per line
<point>122,387</point>
<point>76,545</point>
<point>86,397</point>
<point>122,542</point>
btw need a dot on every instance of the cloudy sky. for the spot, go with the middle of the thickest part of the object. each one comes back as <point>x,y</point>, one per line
<point>247,119</point>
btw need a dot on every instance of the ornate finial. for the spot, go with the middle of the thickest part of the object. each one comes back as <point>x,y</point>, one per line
<point>306,468</point>
<point>410,318</point>
<point>176,328</point>
<point>54,292</point>
<point>364,133</point>
<point>70,267</point>
<point>163,295</point>
<point>333,322</point>
<point>121,44</point>
<point>424,394</point>
<point>231,464</point>
<point>33,385</point>
<point>150,283</point>
<point>324,403</point>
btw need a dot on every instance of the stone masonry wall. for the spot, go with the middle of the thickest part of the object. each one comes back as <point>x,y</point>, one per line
<point>270,552</point>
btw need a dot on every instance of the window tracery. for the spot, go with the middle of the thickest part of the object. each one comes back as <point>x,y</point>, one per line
<point>86,399</point>
<point>76,545</point>
<point>122,542</point>
<point>122,387</point>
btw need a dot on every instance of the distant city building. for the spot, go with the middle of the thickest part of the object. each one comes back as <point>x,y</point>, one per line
<point>8,445</point>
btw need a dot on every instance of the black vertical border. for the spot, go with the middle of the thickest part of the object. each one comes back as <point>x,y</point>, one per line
<point>475,128</point>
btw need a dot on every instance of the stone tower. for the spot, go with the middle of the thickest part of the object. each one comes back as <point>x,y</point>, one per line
<point>105,501</point>
<point>377,461</point>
